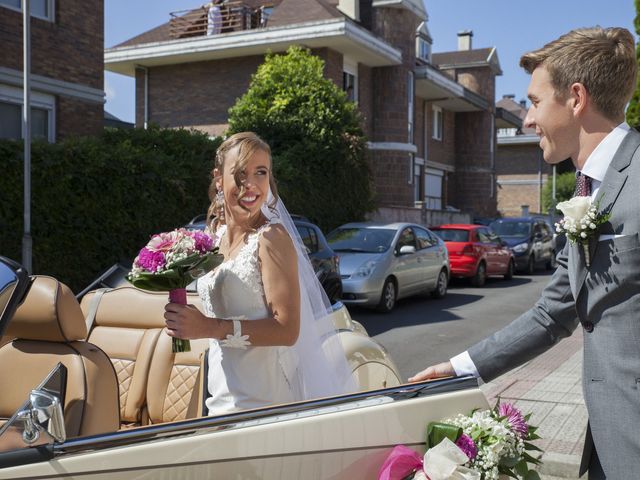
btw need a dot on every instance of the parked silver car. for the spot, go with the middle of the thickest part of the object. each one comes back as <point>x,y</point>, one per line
<point>383,262</point>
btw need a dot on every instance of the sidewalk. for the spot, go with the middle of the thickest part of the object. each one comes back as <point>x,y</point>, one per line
<point>550,387</point>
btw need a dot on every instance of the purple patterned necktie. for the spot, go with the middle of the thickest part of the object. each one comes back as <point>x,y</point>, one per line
<point>583,185</point>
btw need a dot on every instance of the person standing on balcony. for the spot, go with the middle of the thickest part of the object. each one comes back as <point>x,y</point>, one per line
<point>580,85</point>
<point>214,17</point>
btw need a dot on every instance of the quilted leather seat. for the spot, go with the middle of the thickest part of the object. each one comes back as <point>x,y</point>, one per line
<point>155,385</point>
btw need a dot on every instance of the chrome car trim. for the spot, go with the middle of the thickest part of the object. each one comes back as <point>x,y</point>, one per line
<point>265,415</point>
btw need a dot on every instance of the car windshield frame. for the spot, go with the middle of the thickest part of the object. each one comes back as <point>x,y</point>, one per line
<point>367,239</point>
<point>513,228</point>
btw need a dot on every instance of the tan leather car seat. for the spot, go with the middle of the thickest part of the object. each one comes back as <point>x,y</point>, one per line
<point>155,385</point>
<point>127,324</point>
<point>176,383</point>
<point>48,328</point>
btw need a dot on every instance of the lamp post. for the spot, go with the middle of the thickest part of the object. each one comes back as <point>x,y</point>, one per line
<point>26,131</point>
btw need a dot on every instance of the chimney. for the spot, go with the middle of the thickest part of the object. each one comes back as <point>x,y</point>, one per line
<point>523,103</point>
<point>509,96</point>
<point>351,8</point>
<point>464,40</point>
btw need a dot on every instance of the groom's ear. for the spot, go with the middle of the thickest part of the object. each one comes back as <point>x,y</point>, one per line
<point>579,98</point>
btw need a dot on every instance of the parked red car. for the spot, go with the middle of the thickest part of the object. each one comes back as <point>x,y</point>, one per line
<point>476,252</point>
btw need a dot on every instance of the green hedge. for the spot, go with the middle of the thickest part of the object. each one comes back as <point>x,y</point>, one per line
<point>96,200</point>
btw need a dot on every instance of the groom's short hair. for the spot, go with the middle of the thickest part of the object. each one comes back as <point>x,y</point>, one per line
<point>601,59</point>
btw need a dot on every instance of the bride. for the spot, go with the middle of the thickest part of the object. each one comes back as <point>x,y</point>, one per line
<point>265,312</point>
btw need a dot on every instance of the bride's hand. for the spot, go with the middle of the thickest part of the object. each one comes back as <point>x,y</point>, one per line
<point>187,322</point>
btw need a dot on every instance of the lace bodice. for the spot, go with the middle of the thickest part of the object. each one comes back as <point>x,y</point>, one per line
<point>241,378</point>
<point>234,289</point>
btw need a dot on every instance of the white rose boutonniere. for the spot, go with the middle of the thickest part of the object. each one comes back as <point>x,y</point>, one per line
<point>580,222</point>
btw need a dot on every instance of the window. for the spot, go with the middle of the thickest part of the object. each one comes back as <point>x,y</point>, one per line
<point>407,237</point>
<point>349,86</point>
<point>423,49</point>
<point>417,182</point>
<point>423,43</point>
<point>42,114</point>
<point>350,78</point>
<point>39,8</point>
<point>423,239</point>
<point>410,99</point>
<point>483,235</point>
<point>437,123</point>
<point>309,239</point>
<point>433,188</point>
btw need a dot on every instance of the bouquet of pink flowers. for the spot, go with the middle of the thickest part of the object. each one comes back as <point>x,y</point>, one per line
<point>481,446</point>
<point>170,262</point>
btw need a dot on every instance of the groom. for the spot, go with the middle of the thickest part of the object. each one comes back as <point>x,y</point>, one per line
<point>580,85</point>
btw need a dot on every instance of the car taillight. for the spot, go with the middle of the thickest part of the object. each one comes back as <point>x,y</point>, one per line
<point>468,250</point>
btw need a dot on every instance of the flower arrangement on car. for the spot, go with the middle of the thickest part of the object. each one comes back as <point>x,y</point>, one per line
<point>172,260</point>
<point>580,222</point>
<point>481,446</point>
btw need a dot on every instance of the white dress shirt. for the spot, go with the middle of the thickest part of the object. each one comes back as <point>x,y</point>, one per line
<point>595,167</point>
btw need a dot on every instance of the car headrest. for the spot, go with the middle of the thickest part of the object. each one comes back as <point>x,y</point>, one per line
<point>130,307</point>
<point>49,312</point>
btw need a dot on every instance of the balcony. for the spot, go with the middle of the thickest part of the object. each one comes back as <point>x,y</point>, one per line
<point>226,17</point>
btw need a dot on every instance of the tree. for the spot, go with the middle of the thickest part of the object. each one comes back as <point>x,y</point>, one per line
<point>565,185</point>
<point>633,112</point>
<point>315,135</point>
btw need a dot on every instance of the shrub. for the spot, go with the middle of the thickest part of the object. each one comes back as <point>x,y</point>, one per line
<point>565,186</point>
<point>96,200</point>
<point>315,135</point>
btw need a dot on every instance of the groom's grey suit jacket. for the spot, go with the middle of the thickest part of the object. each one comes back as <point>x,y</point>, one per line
<point>604,300</point>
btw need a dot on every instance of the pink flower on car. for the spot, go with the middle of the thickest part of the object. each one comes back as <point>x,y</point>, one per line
<point>515,419</point>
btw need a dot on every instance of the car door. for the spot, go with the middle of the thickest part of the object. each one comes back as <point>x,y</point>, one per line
<point>428,256</point>
<point>501,255</point>
<point>489,250</point>
<point>407,267</point>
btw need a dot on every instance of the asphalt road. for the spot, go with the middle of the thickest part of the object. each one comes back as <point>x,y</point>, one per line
<point>422,331</point>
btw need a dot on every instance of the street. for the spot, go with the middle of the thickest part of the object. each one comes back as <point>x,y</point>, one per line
<point>422,331</point>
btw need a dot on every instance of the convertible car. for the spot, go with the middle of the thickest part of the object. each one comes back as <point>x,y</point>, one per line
<point>93,391</point>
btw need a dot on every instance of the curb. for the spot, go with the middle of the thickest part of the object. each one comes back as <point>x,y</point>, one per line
<point>560,465</point>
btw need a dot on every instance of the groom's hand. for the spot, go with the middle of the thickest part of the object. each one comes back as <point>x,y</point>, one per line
<point>436,371</point>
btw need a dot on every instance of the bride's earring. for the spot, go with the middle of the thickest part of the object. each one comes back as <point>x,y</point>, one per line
<point>220,203</point>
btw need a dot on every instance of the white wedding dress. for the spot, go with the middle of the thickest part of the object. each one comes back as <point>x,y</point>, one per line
<point>238,378</point>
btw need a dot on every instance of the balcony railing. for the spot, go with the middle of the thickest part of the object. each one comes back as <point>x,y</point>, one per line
<point>227,17</point>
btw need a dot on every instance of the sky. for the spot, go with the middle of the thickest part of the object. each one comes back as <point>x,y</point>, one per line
<point>512,26</point>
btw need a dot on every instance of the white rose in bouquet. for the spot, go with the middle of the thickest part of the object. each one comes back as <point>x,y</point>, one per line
<point>576,208</point>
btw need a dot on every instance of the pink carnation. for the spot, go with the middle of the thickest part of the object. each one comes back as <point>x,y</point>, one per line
<point>203,241</point>
<point>515,419</point>
<point>467,445</point>
<point>150,261</point>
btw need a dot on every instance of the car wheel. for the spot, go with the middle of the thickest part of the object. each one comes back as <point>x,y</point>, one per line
<point>480,277</point>
<point>509,273</point>
<point>531,266</point>
<point>441,286</point>
<point>388,297</point>
<point>552,263</point>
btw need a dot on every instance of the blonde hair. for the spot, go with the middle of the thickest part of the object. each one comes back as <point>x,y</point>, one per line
<point>244,144</point>
<point>601,59</point>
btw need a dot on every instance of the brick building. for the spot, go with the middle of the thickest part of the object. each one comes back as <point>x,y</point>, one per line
<point>67,68</point>
<point>430,119</point>
<point>521,171</point>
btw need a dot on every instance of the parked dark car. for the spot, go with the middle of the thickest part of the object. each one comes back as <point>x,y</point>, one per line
<point>530,239</point>
<point>476,252</point>
<point>325,261</point>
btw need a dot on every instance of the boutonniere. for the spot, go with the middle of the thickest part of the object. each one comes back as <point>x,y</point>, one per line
<point>581,221</point>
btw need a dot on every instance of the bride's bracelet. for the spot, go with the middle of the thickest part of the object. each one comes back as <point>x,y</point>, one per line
<point>237,340</point>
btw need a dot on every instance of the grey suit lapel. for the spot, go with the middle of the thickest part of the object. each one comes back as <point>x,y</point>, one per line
<point>609,191</point>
